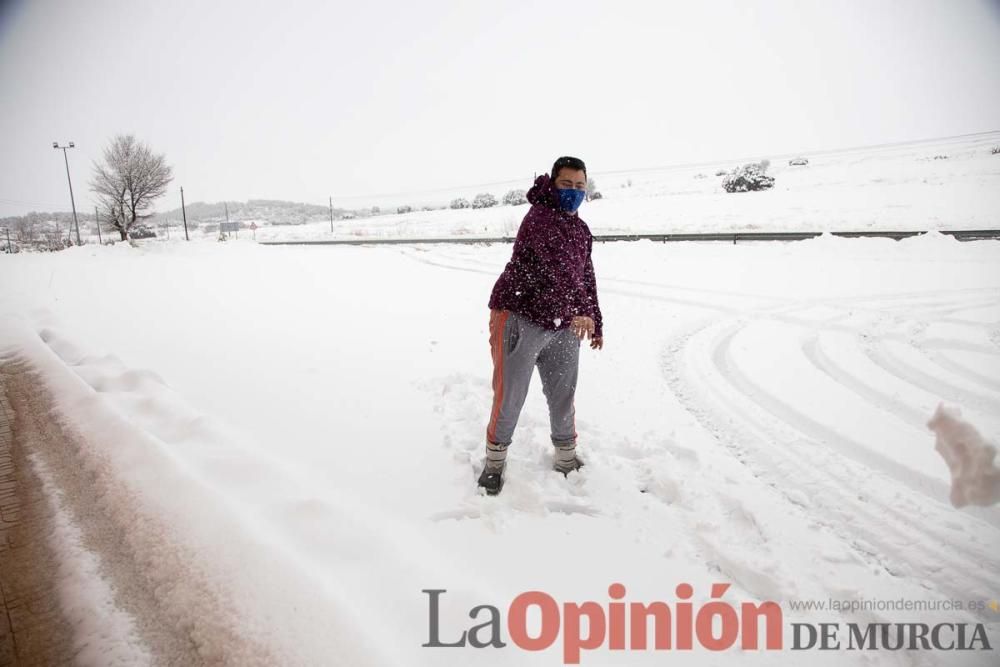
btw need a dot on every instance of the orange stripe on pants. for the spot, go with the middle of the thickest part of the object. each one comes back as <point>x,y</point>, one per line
<point>498,320</point>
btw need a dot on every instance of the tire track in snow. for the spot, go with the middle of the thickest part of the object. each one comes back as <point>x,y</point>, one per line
<point>933,350</point>
<point>874,346</point>
<point>813,350</point>
<point>930,348</point>
<point>972,324</point>
<point>833,493</point>
<point>899,541</point>
<point>930,302</point>
<point>880,355</point>
<point>940,309</point>
<point>773,474</point>
<point>674,299</point>
<point>460,263</point>
<point>820,432</point>
<point>799,465</point>
<point>942,296</point>
<point>809,426</point>
<point>775,302</point>
<point>730,372</point>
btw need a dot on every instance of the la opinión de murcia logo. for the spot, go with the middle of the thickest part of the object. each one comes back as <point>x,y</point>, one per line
<point>716,625</point>
<point>621,624</point>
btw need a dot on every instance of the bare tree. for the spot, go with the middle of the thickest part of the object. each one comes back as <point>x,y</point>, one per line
<point>128,182</point>
<point>26,226</point>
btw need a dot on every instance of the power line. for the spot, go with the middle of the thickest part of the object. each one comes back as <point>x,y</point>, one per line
<point>4,200</point>
<point>635,170</point>
<point>825,151</point>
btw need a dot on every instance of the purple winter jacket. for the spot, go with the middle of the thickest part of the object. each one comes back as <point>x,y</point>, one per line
<point>550,275</point>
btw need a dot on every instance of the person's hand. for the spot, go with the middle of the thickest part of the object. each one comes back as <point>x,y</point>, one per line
<point>596,342</point>
<point>582,326</point>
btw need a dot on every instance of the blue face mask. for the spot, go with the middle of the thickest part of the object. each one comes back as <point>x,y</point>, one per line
<point>570,198</point>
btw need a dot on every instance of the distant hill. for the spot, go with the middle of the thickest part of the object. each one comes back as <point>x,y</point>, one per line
<point>261,211</point>
<point>55,219</point>
<point>267,211</point>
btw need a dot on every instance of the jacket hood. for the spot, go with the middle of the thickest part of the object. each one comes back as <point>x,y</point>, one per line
<point>543,192</point>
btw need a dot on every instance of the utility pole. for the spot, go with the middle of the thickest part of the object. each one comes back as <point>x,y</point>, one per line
<point>229,224</point>
<point>226,204</point>
<point>10,248</point>
<point>184,213</point>
<point>331,215</point>
<point>97,219</point>
<point>55,144</point>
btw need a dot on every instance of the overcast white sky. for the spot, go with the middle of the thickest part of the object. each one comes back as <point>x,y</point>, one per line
<point>300,100</point>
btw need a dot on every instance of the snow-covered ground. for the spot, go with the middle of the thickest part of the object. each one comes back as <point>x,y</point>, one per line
<point>942,184</point>
<point>302,427</point>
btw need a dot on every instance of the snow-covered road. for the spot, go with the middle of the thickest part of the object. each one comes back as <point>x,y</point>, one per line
<point>304,425</point>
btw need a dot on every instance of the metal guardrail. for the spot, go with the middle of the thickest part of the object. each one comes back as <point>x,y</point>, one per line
<point>458,239</point>
<point>731,237</point>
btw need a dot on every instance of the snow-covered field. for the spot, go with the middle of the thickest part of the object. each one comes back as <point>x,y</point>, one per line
<point>942,184</point>
<point>294,432</point>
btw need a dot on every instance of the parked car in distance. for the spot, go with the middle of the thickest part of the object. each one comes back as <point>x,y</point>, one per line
<point>798,161</point>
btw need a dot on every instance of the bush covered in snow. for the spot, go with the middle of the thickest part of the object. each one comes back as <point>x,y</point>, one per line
<point>51,242</point>
<point>459,203</point>
<point>721,172</point>
<point>484,200</point>
<point>515,198</point>
<point>996,150</point>
<point>404,209</point>
<point>749,177</point>
<point>592,192</point>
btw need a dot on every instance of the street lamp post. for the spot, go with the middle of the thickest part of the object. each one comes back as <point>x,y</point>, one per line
<point>184,213</point>
<point>55,144</point>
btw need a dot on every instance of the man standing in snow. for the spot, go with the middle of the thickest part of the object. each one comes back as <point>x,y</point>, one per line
<point>541,307</point>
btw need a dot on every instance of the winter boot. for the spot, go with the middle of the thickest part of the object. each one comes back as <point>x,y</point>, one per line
<point>566,460</point>
<point>492,477</point>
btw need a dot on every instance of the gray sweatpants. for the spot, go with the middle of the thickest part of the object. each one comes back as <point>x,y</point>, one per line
<point>517,346</point>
